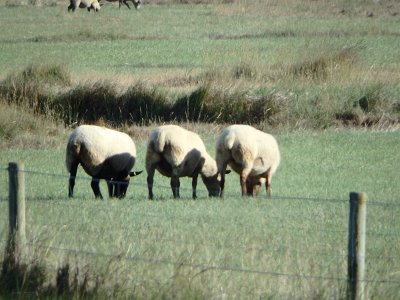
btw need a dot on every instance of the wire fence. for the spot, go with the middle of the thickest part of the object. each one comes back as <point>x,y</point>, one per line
<point>87,179</point>
<point>315,231</point>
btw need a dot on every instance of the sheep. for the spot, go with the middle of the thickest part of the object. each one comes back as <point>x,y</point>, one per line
<point>136,3</point>
<point>176,152</point>
<point>104,154</point>
<point>90,4</point>
<point>251,153</point>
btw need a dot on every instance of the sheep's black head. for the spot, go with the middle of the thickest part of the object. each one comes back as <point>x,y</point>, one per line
<point>119,187</point>
<point>213,184</point>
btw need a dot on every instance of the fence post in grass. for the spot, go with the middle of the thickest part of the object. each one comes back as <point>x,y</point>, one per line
<point>16,237</point>
<point>356,246</point>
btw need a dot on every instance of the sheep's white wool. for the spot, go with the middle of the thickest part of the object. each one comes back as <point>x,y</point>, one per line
<point>251,153</point>
<point>90,4</point>
<point>181,142</point>
<point>101,143</point>
<point>103,154</point>
<point>177,152</point>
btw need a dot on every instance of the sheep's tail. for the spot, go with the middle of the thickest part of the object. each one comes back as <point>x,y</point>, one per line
<point>229,140</point>
<point>73,150</point>
<point>158,140</point>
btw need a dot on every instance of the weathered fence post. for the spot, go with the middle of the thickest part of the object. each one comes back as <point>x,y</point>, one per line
<point>16,237</point>
<point>356,250</point>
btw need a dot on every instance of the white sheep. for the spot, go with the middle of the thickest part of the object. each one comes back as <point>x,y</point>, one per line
<point>136,3</point>
<point>104,154</point>
<point>89,4</point>
<point>176,152</point>
<point>251,153</point>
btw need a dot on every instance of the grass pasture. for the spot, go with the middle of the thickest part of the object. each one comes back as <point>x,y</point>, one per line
<point>327,64</point>
<point>331,70</point>
<point>293,246</point>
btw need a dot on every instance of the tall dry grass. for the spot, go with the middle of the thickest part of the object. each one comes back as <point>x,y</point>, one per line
<point>321,96</point>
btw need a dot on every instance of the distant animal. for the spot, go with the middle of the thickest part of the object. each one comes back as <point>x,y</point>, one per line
<point>136,3</point>
<point>89,4</point>
<point>251,153</point>
<point>176,152</point>
<point>104,154</point>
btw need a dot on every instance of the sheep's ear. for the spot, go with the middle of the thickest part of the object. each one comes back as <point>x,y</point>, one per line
<point>227,171</point>
<point>132,174</point>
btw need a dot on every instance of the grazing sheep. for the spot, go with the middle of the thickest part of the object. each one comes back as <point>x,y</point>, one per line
<point>104,154</point>
<point>251,153</point>
<point>176,152</point>
<point>136,3</point>
<point>90,4</point>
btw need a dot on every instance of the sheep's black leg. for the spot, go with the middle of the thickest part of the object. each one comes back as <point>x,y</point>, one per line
<point>194,185</point>
<point>150,177</point>
<point>71,186</point>
<point>117,188</point>
<point>72,176</point>
<point>122,187</point>
<point>96,188</point>
<point>110,187</point>
<point>175,184</point>
<point>222,183</point>
<point>126,3</point>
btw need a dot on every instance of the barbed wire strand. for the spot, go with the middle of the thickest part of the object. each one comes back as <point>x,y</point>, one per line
<point>217,245</point>
<point>174,240</point>
<point>174,218</point>
<point>213,267</point>
<point>205,267</point>
<point>274,249</point>
<point>279,197</point>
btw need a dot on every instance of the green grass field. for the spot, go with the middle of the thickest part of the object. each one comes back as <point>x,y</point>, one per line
<point>291,246</point>
<point>160,39</point>
<point>318,57</point>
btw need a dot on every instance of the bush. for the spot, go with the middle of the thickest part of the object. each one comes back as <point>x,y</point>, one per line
<point>46,91</point>
<point>207,105</point>
<point>89,103</point>
<point>140,105</point>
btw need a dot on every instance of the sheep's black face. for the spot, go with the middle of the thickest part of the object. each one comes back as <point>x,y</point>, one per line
<point>214,193</point>
<point>213,185</point>
<point>118,188</point>
<point>123,188</point>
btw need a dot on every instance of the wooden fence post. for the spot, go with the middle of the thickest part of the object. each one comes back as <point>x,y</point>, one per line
<point>16,237</point>
<point>356,246</point>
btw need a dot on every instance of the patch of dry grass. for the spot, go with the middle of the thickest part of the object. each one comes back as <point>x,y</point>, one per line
<point>21,128</point>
